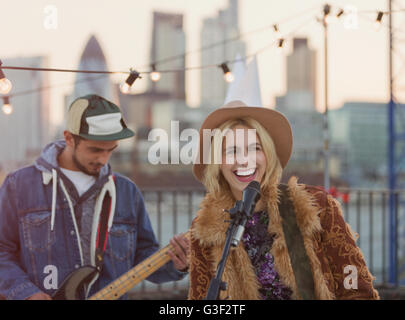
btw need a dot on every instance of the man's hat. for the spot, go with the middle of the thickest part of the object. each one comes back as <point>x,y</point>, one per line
<point>95,118</point>
<point>274,122</point>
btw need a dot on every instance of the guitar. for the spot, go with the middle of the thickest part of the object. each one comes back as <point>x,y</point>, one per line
<point>77,279</point>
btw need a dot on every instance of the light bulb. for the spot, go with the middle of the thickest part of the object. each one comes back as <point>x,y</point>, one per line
<point>5,86</point>
<point>377,25</point>
<point>229,77</point>
<point>280,46</point>
<point>7,109</point>
<point>330,19</point>
<point>155,76</point>
<point>125,88</point>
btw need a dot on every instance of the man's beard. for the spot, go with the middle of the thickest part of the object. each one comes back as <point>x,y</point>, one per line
<point>83,168</point>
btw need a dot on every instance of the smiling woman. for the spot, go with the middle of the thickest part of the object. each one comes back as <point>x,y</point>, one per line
<point>245,147</point>
<point>296,244</point>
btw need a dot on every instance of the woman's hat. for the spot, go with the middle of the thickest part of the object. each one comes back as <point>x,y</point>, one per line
<point>273,121</point>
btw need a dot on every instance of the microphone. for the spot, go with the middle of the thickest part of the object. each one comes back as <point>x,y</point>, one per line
<point>250,196</point>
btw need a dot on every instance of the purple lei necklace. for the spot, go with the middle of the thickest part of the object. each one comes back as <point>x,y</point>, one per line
<point>257,243</point>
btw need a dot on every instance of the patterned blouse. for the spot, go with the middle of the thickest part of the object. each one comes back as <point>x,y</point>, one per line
<point>257,242</point>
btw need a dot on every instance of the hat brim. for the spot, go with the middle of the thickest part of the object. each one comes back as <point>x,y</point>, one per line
<point>275,123</point>
<point>123,134</point>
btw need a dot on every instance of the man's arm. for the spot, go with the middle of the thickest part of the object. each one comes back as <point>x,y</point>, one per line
<point>14,282</point>
<point>148,245</point>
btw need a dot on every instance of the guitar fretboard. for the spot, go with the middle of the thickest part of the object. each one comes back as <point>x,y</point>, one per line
<point>128,280</point>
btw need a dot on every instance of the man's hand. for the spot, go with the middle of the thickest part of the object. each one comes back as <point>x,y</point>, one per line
<point>40,296</point>
<point>179,253</point>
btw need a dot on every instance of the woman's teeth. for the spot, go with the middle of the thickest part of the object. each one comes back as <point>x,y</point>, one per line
<point>245,173</point>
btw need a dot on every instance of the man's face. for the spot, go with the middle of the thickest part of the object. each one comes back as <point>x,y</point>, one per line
<point>90,156</point>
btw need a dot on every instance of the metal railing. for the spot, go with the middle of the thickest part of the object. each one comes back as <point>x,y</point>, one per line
<point>366,211</point>
<point>368,214</point>
<point>171,212</point>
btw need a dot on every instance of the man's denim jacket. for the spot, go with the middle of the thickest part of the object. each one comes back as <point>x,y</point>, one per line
<point>30,247</point>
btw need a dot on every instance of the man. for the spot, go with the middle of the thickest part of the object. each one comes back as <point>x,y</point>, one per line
<point>69,210</point>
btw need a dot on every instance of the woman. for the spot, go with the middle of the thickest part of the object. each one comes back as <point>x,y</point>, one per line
<point>317,260</point>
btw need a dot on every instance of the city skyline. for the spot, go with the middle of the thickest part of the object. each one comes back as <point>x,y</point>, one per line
<point>355,73</point>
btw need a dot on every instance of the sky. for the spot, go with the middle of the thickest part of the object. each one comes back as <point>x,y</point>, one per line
<point>358,58</point>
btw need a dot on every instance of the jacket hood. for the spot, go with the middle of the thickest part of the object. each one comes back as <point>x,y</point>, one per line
<point>48,159</point>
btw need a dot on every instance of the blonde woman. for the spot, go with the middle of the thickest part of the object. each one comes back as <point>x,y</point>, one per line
<point>296,244</point>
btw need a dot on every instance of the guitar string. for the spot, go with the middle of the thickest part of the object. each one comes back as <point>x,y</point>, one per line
<point>116,284</point>
<point>153,263</point>
<point>125,286</point>
<point>119,285</point>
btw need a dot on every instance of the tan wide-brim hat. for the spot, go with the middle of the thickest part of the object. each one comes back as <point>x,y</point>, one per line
<point>273,121</point>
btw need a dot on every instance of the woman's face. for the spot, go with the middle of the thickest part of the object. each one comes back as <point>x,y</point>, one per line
<point>243,159</point>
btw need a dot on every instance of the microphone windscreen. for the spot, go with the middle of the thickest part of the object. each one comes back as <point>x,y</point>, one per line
<point>254,185</point>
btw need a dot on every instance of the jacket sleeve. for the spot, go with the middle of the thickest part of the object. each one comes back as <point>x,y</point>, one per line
<point>351,277</point>
<point>148,245</point>
<point>14,282</point>
<point>200,270</point>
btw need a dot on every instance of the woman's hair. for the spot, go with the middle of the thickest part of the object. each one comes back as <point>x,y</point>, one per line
<point>213,179</point>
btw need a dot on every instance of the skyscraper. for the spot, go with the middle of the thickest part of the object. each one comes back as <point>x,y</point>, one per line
<point>92,58</point>
<point>301,78</point>
<point>215,30</point>
<point>168,40</point>
<point>298,104</point>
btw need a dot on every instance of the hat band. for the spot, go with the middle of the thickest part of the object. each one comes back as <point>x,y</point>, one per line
<point>104,124</point>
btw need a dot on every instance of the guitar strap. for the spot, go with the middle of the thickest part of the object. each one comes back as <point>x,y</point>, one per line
<point>296,249</point>
<point>102,232</point>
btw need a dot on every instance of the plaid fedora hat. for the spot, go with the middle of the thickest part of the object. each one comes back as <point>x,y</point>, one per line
<point>95,118</point>
<point>274,122</point>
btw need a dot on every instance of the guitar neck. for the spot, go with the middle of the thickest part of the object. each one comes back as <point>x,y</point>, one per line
<point>128,280</point>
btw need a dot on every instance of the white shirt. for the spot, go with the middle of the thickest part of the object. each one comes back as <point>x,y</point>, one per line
<point>81,181</point>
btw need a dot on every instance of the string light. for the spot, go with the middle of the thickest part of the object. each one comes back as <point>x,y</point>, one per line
<point>5,84</point>
<point>332,18</point>
<point>326,15</point>
<point>228,76</point>
<point>126,86</point>
<point>276,30</point>
<point>377,24</point>
<point>155,75</point>
<point>7,108</point>
<point>280,45</point>
<point>340,13</point>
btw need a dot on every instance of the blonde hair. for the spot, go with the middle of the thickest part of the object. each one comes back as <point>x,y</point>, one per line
<point>213,178</point>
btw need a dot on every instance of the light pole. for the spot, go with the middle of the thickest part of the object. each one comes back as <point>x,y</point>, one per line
<point>391,163</point>
<point>326,11</point>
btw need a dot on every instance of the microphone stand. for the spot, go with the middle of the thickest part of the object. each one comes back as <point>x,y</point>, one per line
<point>216,284</point>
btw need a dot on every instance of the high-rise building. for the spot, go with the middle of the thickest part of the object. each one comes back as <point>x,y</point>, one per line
<point>215,30</point>
<point>24,132</point>
<point>168,40</point>
<point>94,59</point>
<point>298,104</point>
<point>301,78</point>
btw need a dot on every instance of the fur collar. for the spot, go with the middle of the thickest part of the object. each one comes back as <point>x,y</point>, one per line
<point>210,229</point>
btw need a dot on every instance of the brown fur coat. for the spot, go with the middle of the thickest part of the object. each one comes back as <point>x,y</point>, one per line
<point>328,241</point>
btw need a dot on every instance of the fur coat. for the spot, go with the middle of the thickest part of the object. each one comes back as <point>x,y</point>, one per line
<point>328,240</point>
